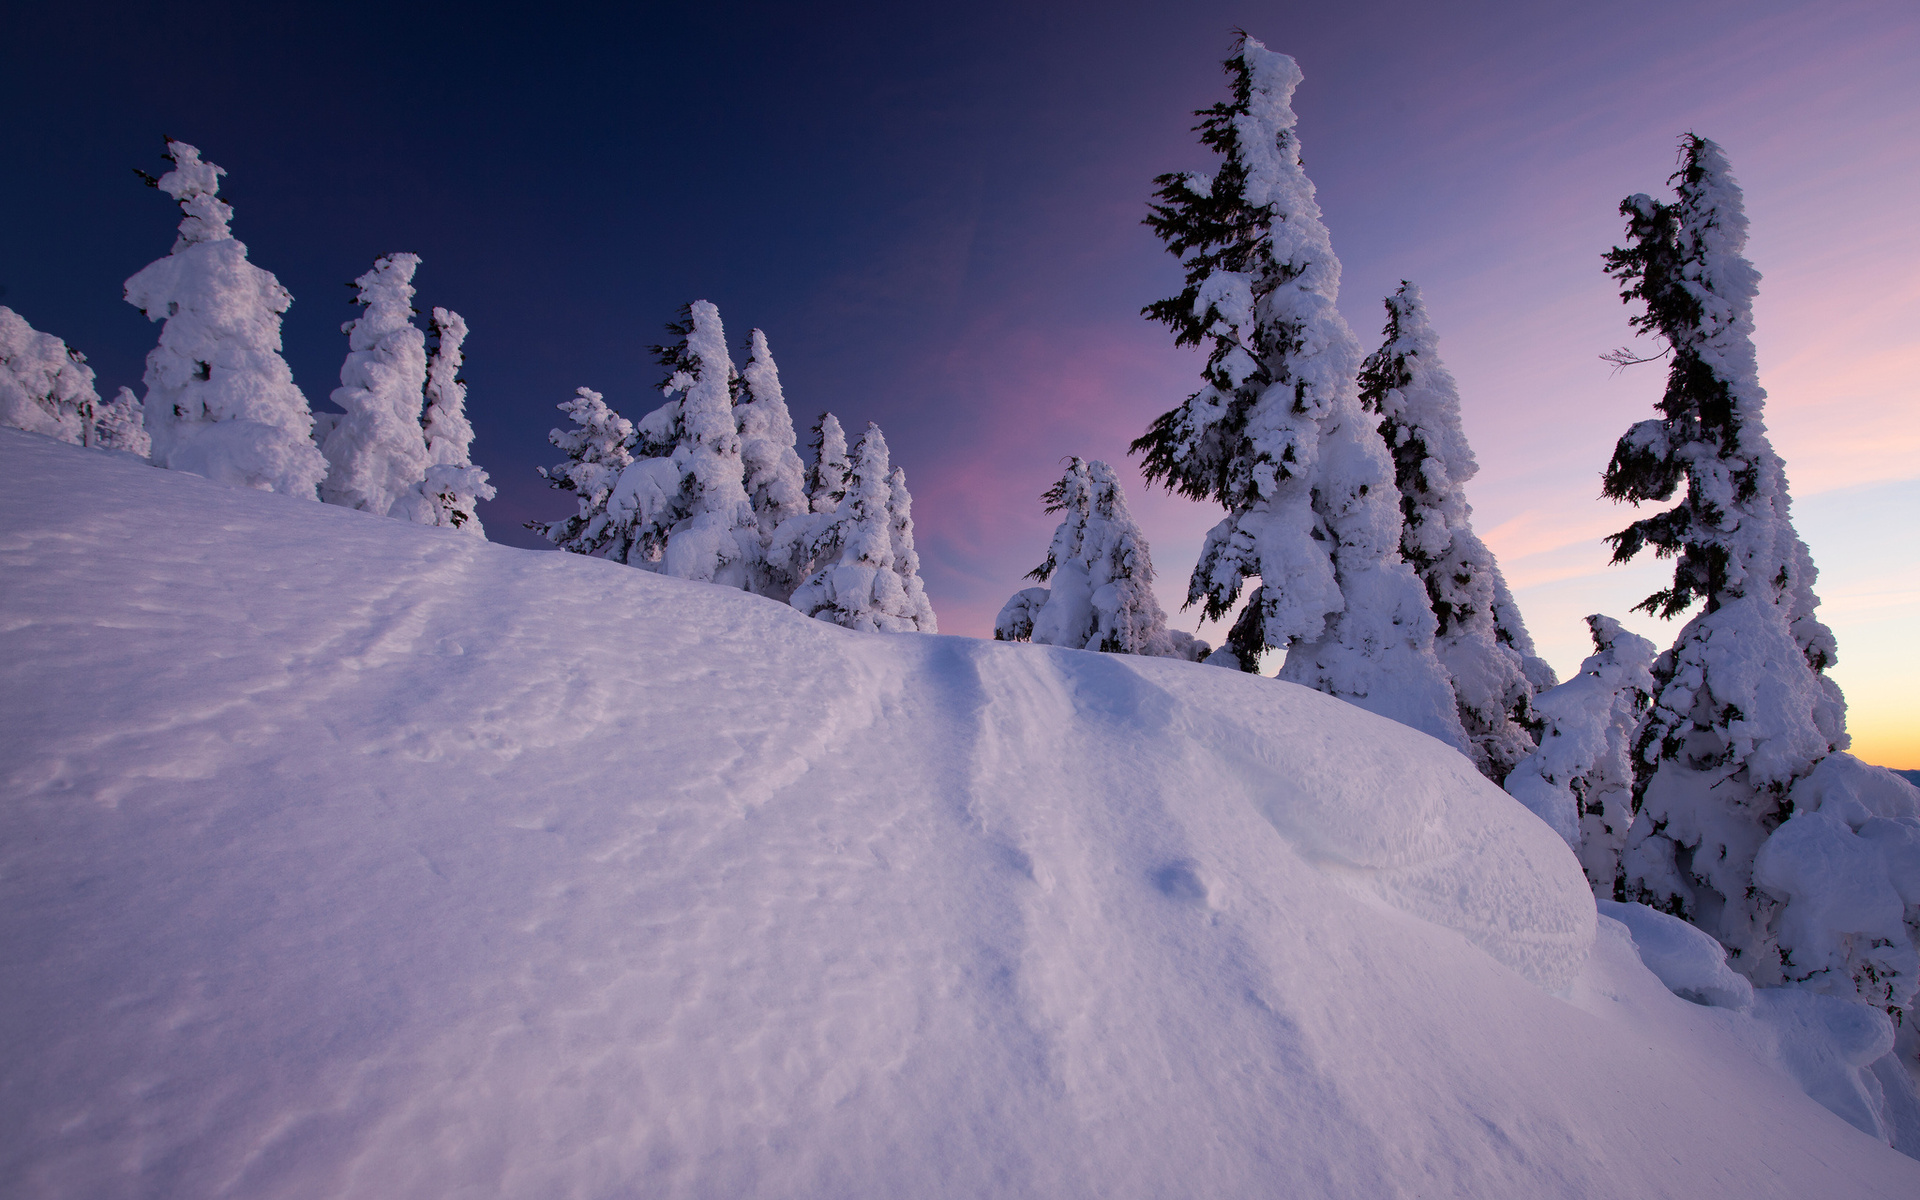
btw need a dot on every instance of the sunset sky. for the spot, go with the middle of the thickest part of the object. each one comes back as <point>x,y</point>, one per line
<point>934,214</point>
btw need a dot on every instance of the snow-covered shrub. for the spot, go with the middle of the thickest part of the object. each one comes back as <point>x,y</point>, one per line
<point>377,452</point>
<point>450,491</point>
<point>1742,709</point>
<point>220,400</point>
<point>597,450</point>
<point>121,424</point>
<point>1101,576</point>
<point>1277,434</point>
<point>1580,778</point>
<point>868,577</point>
<point>1482,643</point>
<point>45,386</point>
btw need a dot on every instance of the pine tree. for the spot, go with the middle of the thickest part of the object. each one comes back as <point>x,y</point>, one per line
<point>1277,434</point>
<point>827,476</point>
<point>449,492</point>
<point>684,498</point>
<point>220,399</point>
<point>1741,707</point>
<point>377,451</point>
<point>1101,574</point>
<point>45,386</point>
<point>906,558</point>
<point>1479,632</point>
<point>120,424</point>
<point>597,449</point>
<point>775,481</point>
<point>1580,778</point>
<point>859,584</point>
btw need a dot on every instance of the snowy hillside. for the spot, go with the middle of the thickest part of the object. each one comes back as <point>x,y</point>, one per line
<point>341,856</point>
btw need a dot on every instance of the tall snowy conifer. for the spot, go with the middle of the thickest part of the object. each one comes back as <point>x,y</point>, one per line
<point>220,400</point>
<point>1580,778</point>
<point>776,483</point>
<point>45,386</point>
<point>1741,709</point>
<point>377,451</point>
<point>1419,406</point>
<point>827,475</point>
<point>1277,434</point>
<point>449,492</point>
<point>860,583</point>
<point>598,453</point>
<point>1101,576</point>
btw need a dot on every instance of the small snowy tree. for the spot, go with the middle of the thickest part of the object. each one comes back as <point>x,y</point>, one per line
<point>1277,434</point>
<point>220,400</point>
<point>775,481</point>
<point>859,584</point>
<point>827,476</point>
<point>906,559</point>
<point>1580,779</point>
<point>1742,709</point>
<point>120,424</point>
<point>45,386</point>
<point>1101,574</point>
<point>1478,637</point>
<point>377,451</point>
<point>597,450</point>
<point>450,491</point>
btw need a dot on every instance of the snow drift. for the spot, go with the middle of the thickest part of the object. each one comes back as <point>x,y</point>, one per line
<point>346,857</point>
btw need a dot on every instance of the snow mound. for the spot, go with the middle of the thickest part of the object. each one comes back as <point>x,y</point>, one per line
<point>341,856</point>
<point>1686,958</point>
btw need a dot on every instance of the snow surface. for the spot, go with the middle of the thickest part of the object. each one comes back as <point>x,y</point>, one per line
<point>341,856</point>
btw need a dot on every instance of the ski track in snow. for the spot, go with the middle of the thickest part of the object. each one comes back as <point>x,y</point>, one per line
<point>343,857</point>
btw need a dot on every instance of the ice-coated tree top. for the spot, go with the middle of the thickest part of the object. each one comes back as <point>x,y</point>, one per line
<point>196,186</point>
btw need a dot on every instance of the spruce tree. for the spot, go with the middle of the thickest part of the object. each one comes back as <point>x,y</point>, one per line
<point>220,399</point>
<point>1741,706</point>
<point>377,452</point>
<point>858,583</point>
<point>1101,575</point>
<point>1277,435</point>
<point>827,474</point>
<point>1580,778</point>
<point>775,481</point>
<point>598,454</point>
<point>1479,634</point>
<point>449,492</point>
<point>906,557</point>
<point>45,386</point>
<point>120,424</point>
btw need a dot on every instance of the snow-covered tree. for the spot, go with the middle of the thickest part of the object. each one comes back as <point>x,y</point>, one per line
<point>1580,778</point>
<point>1277,434</point>
<point>1742,710</point>
<point>860,584</point>
<point>776,483</point>
<point>220,399</point>
<point>377,452</point>
<point>598,453</point>
<point>827,475</point>
<point>683,500</point>
<point>906,559</point>
<point>1478,638</point>
<point>1101,576</point>
<point>120,424</point>
<point>448,494</point>
<point>45,386</point>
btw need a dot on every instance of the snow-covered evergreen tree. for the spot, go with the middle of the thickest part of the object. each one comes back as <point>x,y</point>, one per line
<point>827,475</point>
<point>120,424</point>
<point>1742,710</point>
<point>1101,576</point>
<point>1580,778</point>
<point>776,483</point>
<point>906,558</point>
<point>220,399</point>
<point>377,452</point>
<point>683,501</point>
<point>1478,636</point>
<point>597,450</point>
<point>448,494</point>
<point>859,583</point>
<point>1277,434</point>
<point>45,386</point>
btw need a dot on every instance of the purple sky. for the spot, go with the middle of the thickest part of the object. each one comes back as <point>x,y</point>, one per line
<point>935,217</point>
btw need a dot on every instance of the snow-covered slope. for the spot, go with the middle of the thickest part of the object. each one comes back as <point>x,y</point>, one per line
<point>345,857</point>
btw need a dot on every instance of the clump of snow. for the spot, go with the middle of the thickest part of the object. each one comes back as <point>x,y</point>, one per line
<point>220,400</point>
<point>1687,959</point>
<point>356,858</point>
